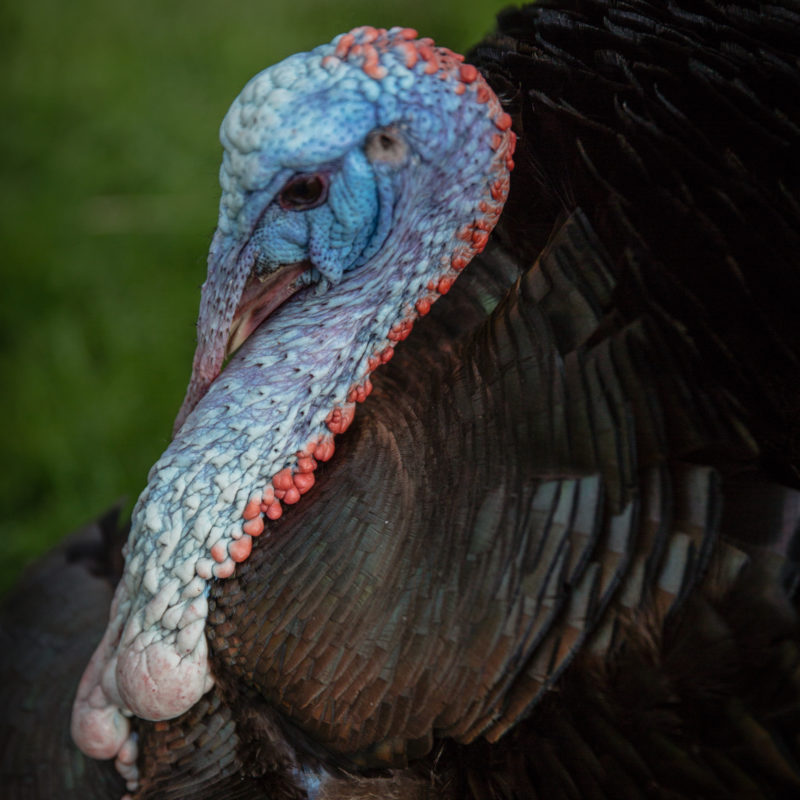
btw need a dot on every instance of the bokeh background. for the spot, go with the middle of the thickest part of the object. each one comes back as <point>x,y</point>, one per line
<point>108,199</point>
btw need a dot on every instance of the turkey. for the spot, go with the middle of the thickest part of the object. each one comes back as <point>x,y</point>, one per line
<point>536,539</point>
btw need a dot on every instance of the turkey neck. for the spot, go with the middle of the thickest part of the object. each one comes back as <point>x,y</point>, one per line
<point>278,389</point>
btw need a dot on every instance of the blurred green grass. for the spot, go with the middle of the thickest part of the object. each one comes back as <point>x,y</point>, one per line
<point>108,198</point>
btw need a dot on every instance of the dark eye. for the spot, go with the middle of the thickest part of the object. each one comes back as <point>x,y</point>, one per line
<point>303,192</point>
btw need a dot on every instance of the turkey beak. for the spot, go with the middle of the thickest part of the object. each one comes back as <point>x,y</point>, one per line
<point>235,300</point>
<point>262,294</point>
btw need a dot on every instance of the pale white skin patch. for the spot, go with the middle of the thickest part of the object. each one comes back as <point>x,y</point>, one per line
<point>98,726</point>
<point>137,669</point>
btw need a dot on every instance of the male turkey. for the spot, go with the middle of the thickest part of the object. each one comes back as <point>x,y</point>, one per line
<point>554,553</point>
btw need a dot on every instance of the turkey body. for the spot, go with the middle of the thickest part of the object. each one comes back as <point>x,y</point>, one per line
<point>555,554</point>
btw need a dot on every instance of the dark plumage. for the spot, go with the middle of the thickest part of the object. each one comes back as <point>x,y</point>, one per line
<point>555,555</point>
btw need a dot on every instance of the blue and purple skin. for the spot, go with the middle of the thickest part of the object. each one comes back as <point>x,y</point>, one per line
<point>358,180</point>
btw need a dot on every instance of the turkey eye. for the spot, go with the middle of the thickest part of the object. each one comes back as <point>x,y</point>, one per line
<point>303,192</point>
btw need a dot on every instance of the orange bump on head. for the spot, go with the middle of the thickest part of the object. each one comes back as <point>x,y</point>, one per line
<point>459,262</point>
<point>480,238</point>
<point>370,34</point>
<point>254,527</point>
<point>303,481</point>
<point>305,464</point>
<point>240,549</point>
<point>253,508</point>
<point>225,569</point>
<point>423,306</point>
<point>343,47</point>
<point>333,420</point>
<point>219,552</point>
<point>283,480</point>
<point>445,282</point>
<point>348,412</point>
<point>292,496</point>
<point>372,65</point>
<point>324,449</point>
<point>410,53</point>
<point>274,510</point>
<point>360,392</point>
<point>375,71</point>
<point>498,189</point>
<point>400,330</point>
<point>467,73</point>
<point>428,54</point>
<point>503,121</point>
<point>339,419</point>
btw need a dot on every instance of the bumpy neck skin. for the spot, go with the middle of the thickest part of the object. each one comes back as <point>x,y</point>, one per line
<point>403,154</point>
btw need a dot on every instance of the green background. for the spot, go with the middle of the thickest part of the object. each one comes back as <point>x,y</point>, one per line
<point>108,186</point>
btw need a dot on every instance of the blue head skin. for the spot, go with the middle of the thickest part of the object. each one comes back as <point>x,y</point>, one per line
<point>358,180</point>
<point>403,147</point>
